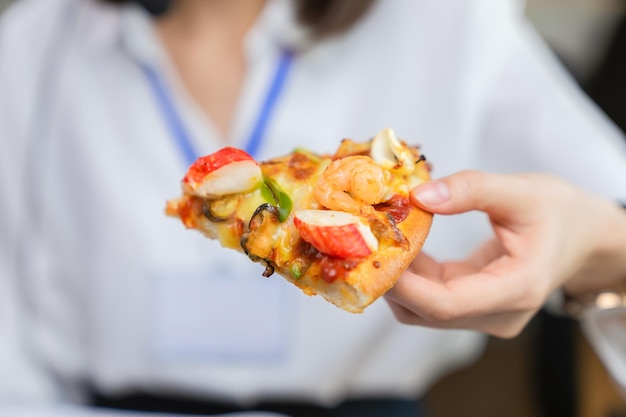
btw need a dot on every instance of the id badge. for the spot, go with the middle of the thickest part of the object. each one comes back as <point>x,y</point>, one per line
<point>218,312</point>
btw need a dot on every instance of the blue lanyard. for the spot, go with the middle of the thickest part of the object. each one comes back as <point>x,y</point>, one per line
<point>177,127</point>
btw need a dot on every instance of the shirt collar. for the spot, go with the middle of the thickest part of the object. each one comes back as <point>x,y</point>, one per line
<point>276,28</point>
<point>138,37</point>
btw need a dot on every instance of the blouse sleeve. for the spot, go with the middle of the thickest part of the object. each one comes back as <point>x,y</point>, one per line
<point>536,118</point>
<point>23,377</point>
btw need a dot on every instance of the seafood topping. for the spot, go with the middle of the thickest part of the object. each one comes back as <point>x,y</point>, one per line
<point>220,210</point>
<point>258,242</point>
<point>351,184</point>
<point>390,153</point>
<point>335,233</point>
<point>226,171</point>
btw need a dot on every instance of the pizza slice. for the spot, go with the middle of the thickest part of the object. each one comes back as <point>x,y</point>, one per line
<point>339,225</point>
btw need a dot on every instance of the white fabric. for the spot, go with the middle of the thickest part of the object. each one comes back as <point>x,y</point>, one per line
<point>76,411</point>
<point>606,331</point>
<point>84,239</point>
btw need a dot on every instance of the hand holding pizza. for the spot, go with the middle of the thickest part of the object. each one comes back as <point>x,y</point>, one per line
<point>547,234</point>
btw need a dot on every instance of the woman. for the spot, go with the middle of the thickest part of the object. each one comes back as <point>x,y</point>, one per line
<point>111,295</point>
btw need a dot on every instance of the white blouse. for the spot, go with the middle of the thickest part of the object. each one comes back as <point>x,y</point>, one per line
<point>98,285</point>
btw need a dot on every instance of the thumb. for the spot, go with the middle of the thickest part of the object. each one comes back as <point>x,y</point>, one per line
<point>501,196</point>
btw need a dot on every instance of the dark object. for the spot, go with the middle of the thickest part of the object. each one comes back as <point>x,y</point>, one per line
<point>331,17</point>
<point>325,17</point>
<point>555,372</point>
<point>607,86</point>
<point>155,7</point>
<point>356,408</point>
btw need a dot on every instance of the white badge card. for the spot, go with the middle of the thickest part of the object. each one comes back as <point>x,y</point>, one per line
<point>224,311</point>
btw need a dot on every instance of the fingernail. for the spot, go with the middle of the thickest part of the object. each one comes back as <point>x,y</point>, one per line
<point>432,194</point>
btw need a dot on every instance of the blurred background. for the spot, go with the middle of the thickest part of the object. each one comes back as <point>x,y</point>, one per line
<point>4,4</point>
<point>549,370</point>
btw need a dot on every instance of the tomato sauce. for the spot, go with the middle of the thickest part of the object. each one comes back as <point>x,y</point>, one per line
<point>397,207</point>
<point>332,269</point>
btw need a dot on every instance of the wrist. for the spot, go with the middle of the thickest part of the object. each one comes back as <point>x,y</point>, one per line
<point>601,285</point>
